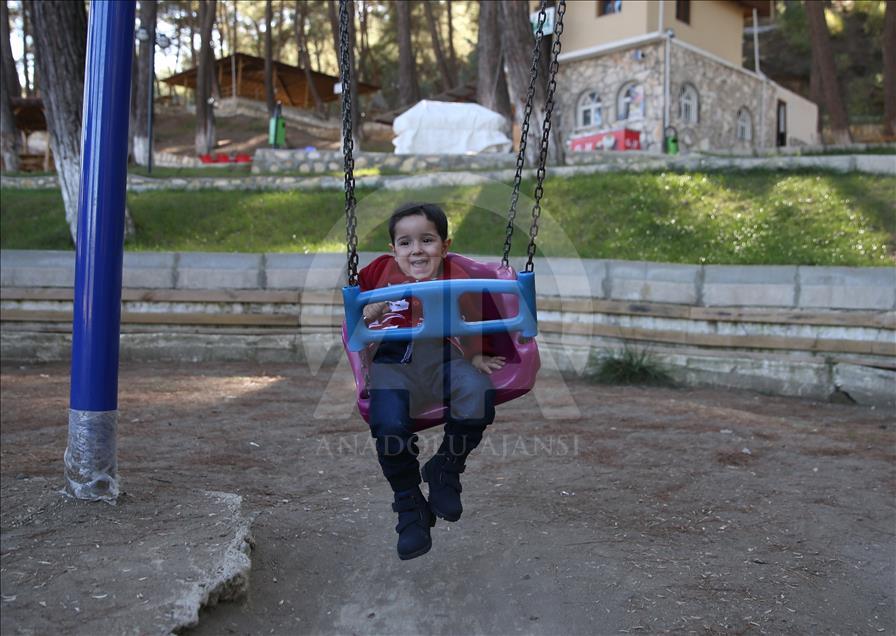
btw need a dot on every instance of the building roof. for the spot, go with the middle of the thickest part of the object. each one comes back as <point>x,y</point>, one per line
<point>290,86</point>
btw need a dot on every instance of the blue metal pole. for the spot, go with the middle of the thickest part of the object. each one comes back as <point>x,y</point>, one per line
<point>90,458</point>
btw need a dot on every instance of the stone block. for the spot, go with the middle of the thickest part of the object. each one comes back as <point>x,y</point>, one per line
<point>37,268</point>
<point>653,282</point>
<point>219,271</point>
<point>876,164</point>
<point>749,286</point>
<point>866,385</point>
<point>151,270</point>
<point>847,287</point>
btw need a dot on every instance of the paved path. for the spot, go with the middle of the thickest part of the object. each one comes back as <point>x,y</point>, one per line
<point>652,510</point>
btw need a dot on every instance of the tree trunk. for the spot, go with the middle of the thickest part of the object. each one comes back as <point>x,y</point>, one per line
<point>304,58</point>
<point>148,12</point>
<point>889,48</point>
<point>30,82</point>
<point>205,115</point>
<point>334,26</point>
<point>60,32</point>
<point>60,46</point>
<point>364,53</point>
<point>408,88</point>
<point>816,94</point>
<point>821,50</point>
<point>9,87</point>
<point>452,55</point>
<point>447,79</point>
<point>517,43</point>
<point>268,61</point>
<point>357,130</point>
<point>491,82</point>
<point>8,67</point>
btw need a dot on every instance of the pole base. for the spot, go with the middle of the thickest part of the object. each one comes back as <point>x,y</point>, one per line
<point>91,467</point>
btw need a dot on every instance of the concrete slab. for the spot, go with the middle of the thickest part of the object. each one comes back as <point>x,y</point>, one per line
<point>866,385</point>
<point>37,268</point>
<point>847,287</point>
<point>197,270</point>
<point>755,285</point>
<point>151,270</point>
<point>653,282</point>
<point>144,566</point>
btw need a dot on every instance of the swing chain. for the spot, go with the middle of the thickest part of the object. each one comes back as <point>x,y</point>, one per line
<point>546,134</point>
<point>348,144</point>
<point>524,133</point>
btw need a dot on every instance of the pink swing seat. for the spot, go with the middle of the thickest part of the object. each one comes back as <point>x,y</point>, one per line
<point>515,378</point>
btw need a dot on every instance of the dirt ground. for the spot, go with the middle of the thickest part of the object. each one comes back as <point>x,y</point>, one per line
<point>656,510</point>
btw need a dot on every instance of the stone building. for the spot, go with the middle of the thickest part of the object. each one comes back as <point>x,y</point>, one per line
<point>648,67</point>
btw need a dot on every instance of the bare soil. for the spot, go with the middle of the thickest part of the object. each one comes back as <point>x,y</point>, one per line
<point>652,510</point>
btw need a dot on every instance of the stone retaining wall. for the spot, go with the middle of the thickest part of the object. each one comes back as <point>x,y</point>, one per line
<point>325,161</point>
<point>582,164</point>
<point>808,331</point>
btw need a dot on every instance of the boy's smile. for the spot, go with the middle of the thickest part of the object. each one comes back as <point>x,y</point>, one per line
<point>418,248</point>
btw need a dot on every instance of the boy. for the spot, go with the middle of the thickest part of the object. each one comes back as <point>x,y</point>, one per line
<point>406,375</point>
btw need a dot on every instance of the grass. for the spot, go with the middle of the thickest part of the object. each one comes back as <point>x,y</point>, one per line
<point>632,366</point>
<point>803,218</point>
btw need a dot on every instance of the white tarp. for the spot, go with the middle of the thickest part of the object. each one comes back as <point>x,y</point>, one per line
<point>449,128</point>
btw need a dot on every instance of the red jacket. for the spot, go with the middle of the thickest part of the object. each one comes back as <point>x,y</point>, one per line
<point>384,271</point>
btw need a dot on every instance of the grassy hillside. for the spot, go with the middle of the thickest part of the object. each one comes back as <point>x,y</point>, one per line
<point>723,218</point>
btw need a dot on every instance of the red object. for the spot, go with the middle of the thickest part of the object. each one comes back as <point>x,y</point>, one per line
<point>222,158</point>
<point>206,158</point>
<point>622,139</point>
<point>515,378</point>
<point>243,158</point>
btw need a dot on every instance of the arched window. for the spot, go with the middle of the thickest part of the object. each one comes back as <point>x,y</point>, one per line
<point>744,125</point>
<point>689,105</point>
<point>590,111</point>
<point>630,103</point>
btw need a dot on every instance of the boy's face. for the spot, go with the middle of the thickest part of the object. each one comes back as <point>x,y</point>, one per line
<point>418,248</point>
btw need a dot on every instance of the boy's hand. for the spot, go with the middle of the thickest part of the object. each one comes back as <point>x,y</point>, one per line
<point>487,364</point>
<point>374,310</point>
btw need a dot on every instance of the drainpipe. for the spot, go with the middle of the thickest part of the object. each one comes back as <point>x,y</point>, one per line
<point>756,41</point>
<point>660,30</point>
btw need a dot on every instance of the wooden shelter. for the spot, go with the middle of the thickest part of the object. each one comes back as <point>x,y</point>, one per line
<point>247,73</point>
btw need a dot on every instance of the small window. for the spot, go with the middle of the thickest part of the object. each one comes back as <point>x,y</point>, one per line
<point>683,11</point>
<point>590,112</point>
<point>606,7</point>
<point>744,125</point>
<point>630,104</point>
<point>689,105</point>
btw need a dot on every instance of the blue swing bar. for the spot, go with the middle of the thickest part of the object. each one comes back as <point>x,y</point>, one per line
<point>90,458</point>
<point>441,309</point>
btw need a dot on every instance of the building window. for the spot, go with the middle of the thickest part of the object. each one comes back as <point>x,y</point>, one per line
<point>630,103</point>
<point>606,7</point>
<point>590,110</point>
<point>744,125</point>
<point>683,11</point>
<point>689,105</point>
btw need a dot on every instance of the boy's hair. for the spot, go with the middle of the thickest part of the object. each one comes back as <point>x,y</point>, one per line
<point>430,210</point>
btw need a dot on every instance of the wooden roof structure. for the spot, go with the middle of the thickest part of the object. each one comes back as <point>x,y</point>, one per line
<point>290,86</point>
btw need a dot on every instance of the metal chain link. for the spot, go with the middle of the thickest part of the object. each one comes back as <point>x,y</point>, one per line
<point>546,133</point>
<point>348,144</point>
<point>524,133</point>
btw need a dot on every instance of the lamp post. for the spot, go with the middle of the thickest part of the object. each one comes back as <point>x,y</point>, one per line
<point>143,34</point>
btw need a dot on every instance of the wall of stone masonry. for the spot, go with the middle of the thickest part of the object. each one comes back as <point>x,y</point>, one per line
<point>723,90</point>
<point>608,74</point>
<point>309,162</point>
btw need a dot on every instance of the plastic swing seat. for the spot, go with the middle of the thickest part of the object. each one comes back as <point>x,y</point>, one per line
<point>508,326</point>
